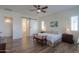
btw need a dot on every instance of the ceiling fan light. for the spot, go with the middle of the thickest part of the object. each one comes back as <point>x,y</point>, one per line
<point>38,11</point>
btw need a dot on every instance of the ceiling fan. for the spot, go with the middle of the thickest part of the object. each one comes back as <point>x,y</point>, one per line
<point>40,8</point>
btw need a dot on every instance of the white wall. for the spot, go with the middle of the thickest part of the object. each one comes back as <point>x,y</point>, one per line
<point>63,19</point>
<point>17,24</point>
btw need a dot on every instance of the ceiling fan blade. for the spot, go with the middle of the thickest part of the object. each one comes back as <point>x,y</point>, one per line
<point>43,11</point>
<point>44,7</point>
<point>35,6</point>
<point>38,6</point>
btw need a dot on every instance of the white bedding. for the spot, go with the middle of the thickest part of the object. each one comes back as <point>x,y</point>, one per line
<point>52,37</point>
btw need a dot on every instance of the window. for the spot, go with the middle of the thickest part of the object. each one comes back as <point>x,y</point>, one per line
<point>74,23</point>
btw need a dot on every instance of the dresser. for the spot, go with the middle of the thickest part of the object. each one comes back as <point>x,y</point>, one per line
<point>68,38</point>
<point>2,47</point>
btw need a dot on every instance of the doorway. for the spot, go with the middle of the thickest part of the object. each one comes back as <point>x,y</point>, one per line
<point>25,33</point>
<point>33,27</point>
<point>8,33</point>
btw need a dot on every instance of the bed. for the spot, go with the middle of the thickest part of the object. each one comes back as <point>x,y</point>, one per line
<point>52,39</point>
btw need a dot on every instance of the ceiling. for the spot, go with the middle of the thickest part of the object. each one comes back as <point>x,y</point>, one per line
<point>26,9</point>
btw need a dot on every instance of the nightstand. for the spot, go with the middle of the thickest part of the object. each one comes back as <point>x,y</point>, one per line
<point>67,38</point>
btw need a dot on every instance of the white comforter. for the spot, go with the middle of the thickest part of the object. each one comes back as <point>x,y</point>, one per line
<point>51,37</point>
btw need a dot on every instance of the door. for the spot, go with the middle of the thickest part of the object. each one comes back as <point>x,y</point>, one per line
<point>33,27</point>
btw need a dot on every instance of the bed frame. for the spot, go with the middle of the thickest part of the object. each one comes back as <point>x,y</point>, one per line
<point>40,39</point>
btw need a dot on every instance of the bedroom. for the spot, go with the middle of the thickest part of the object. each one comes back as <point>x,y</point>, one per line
<point>25,22</point>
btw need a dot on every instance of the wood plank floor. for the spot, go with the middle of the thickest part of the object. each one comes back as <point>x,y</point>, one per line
<point>20,46</point>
